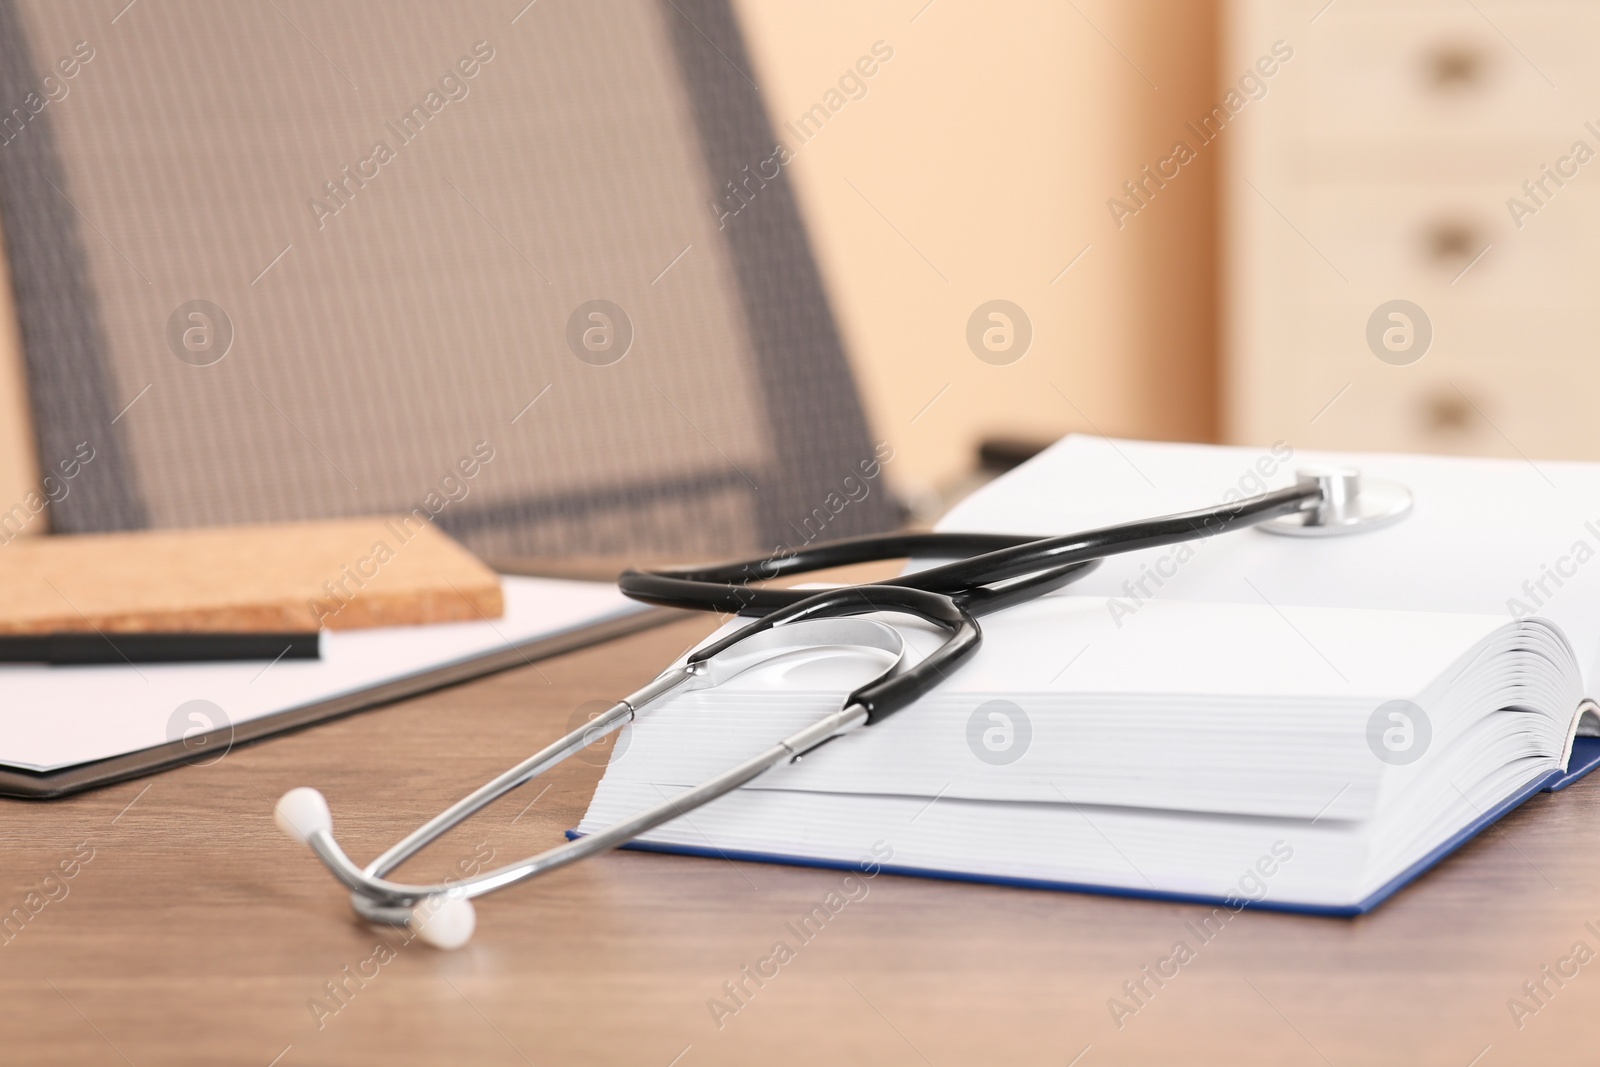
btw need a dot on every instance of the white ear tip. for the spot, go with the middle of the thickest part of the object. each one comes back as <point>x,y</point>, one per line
<point>302,812</point>
<point>445,922</point>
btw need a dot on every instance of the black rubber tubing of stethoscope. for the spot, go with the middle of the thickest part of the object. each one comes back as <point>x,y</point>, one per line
<point>890,692</point>
<point>955,614</point>
<point>999,570</point>
<point>980,580</point>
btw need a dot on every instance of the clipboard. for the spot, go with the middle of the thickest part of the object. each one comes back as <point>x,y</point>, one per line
<point>203,748</point>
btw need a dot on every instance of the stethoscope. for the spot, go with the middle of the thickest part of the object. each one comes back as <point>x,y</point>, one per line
<point>991,572</point>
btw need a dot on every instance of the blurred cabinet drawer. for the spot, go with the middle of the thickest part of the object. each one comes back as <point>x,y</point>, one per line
<point>1488,383</point>
<point>1457,406</point>
<point>1454,245</point>
<point>1401,73</point>
<point>1389,164</point>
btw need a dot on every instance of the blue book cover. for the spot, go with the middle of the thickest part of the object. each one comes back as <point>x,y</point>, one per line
<point>1585,757</point>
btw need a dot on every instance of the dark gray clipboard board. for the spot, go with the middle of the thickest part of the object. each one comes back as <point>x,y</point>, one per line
<point>79,778</point>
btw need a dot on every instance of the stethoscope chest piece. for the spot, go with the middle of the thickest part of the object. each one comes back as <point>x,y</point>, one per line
<point>1350,504</point>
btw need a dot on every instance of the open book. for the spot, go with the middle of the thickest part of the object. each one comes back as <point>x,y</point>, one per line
<point>1300,723</point>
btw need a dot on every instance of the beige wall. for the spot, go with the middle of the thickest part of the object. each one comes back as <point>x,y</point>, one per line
<point>991,142</point>
<point>18,469</point>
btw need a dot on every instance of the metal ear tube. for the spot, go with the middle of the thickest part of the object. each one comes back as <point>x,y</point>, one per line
<point>442,913</point>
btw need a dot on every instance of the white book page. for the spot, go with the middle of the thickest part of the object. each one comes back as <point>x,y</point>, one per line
<point>1486,536</point>
<point>1075,645</point>
<point>1079,645</point>
<point>52,717</point>
<point>1225,707</point>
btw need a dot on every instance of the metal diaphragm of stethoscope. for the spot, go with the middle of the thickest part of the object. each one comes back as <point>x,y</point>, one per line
<point>992,571</point>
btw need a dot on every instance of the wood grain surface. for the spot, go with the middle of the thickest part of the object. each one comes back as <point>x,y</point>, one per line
<point>196,934</point>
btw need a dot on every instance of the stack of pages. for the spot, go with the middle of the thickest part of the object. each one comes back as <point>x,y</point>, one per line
<point>1300,723</point>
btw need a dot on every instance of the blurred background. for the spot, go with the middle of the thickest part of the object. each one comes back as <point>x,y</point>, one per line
<point>1351,224</point>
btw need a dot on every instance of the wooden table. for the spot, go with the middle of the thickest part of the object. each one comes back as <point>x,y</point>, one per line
<point>196,934</point>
